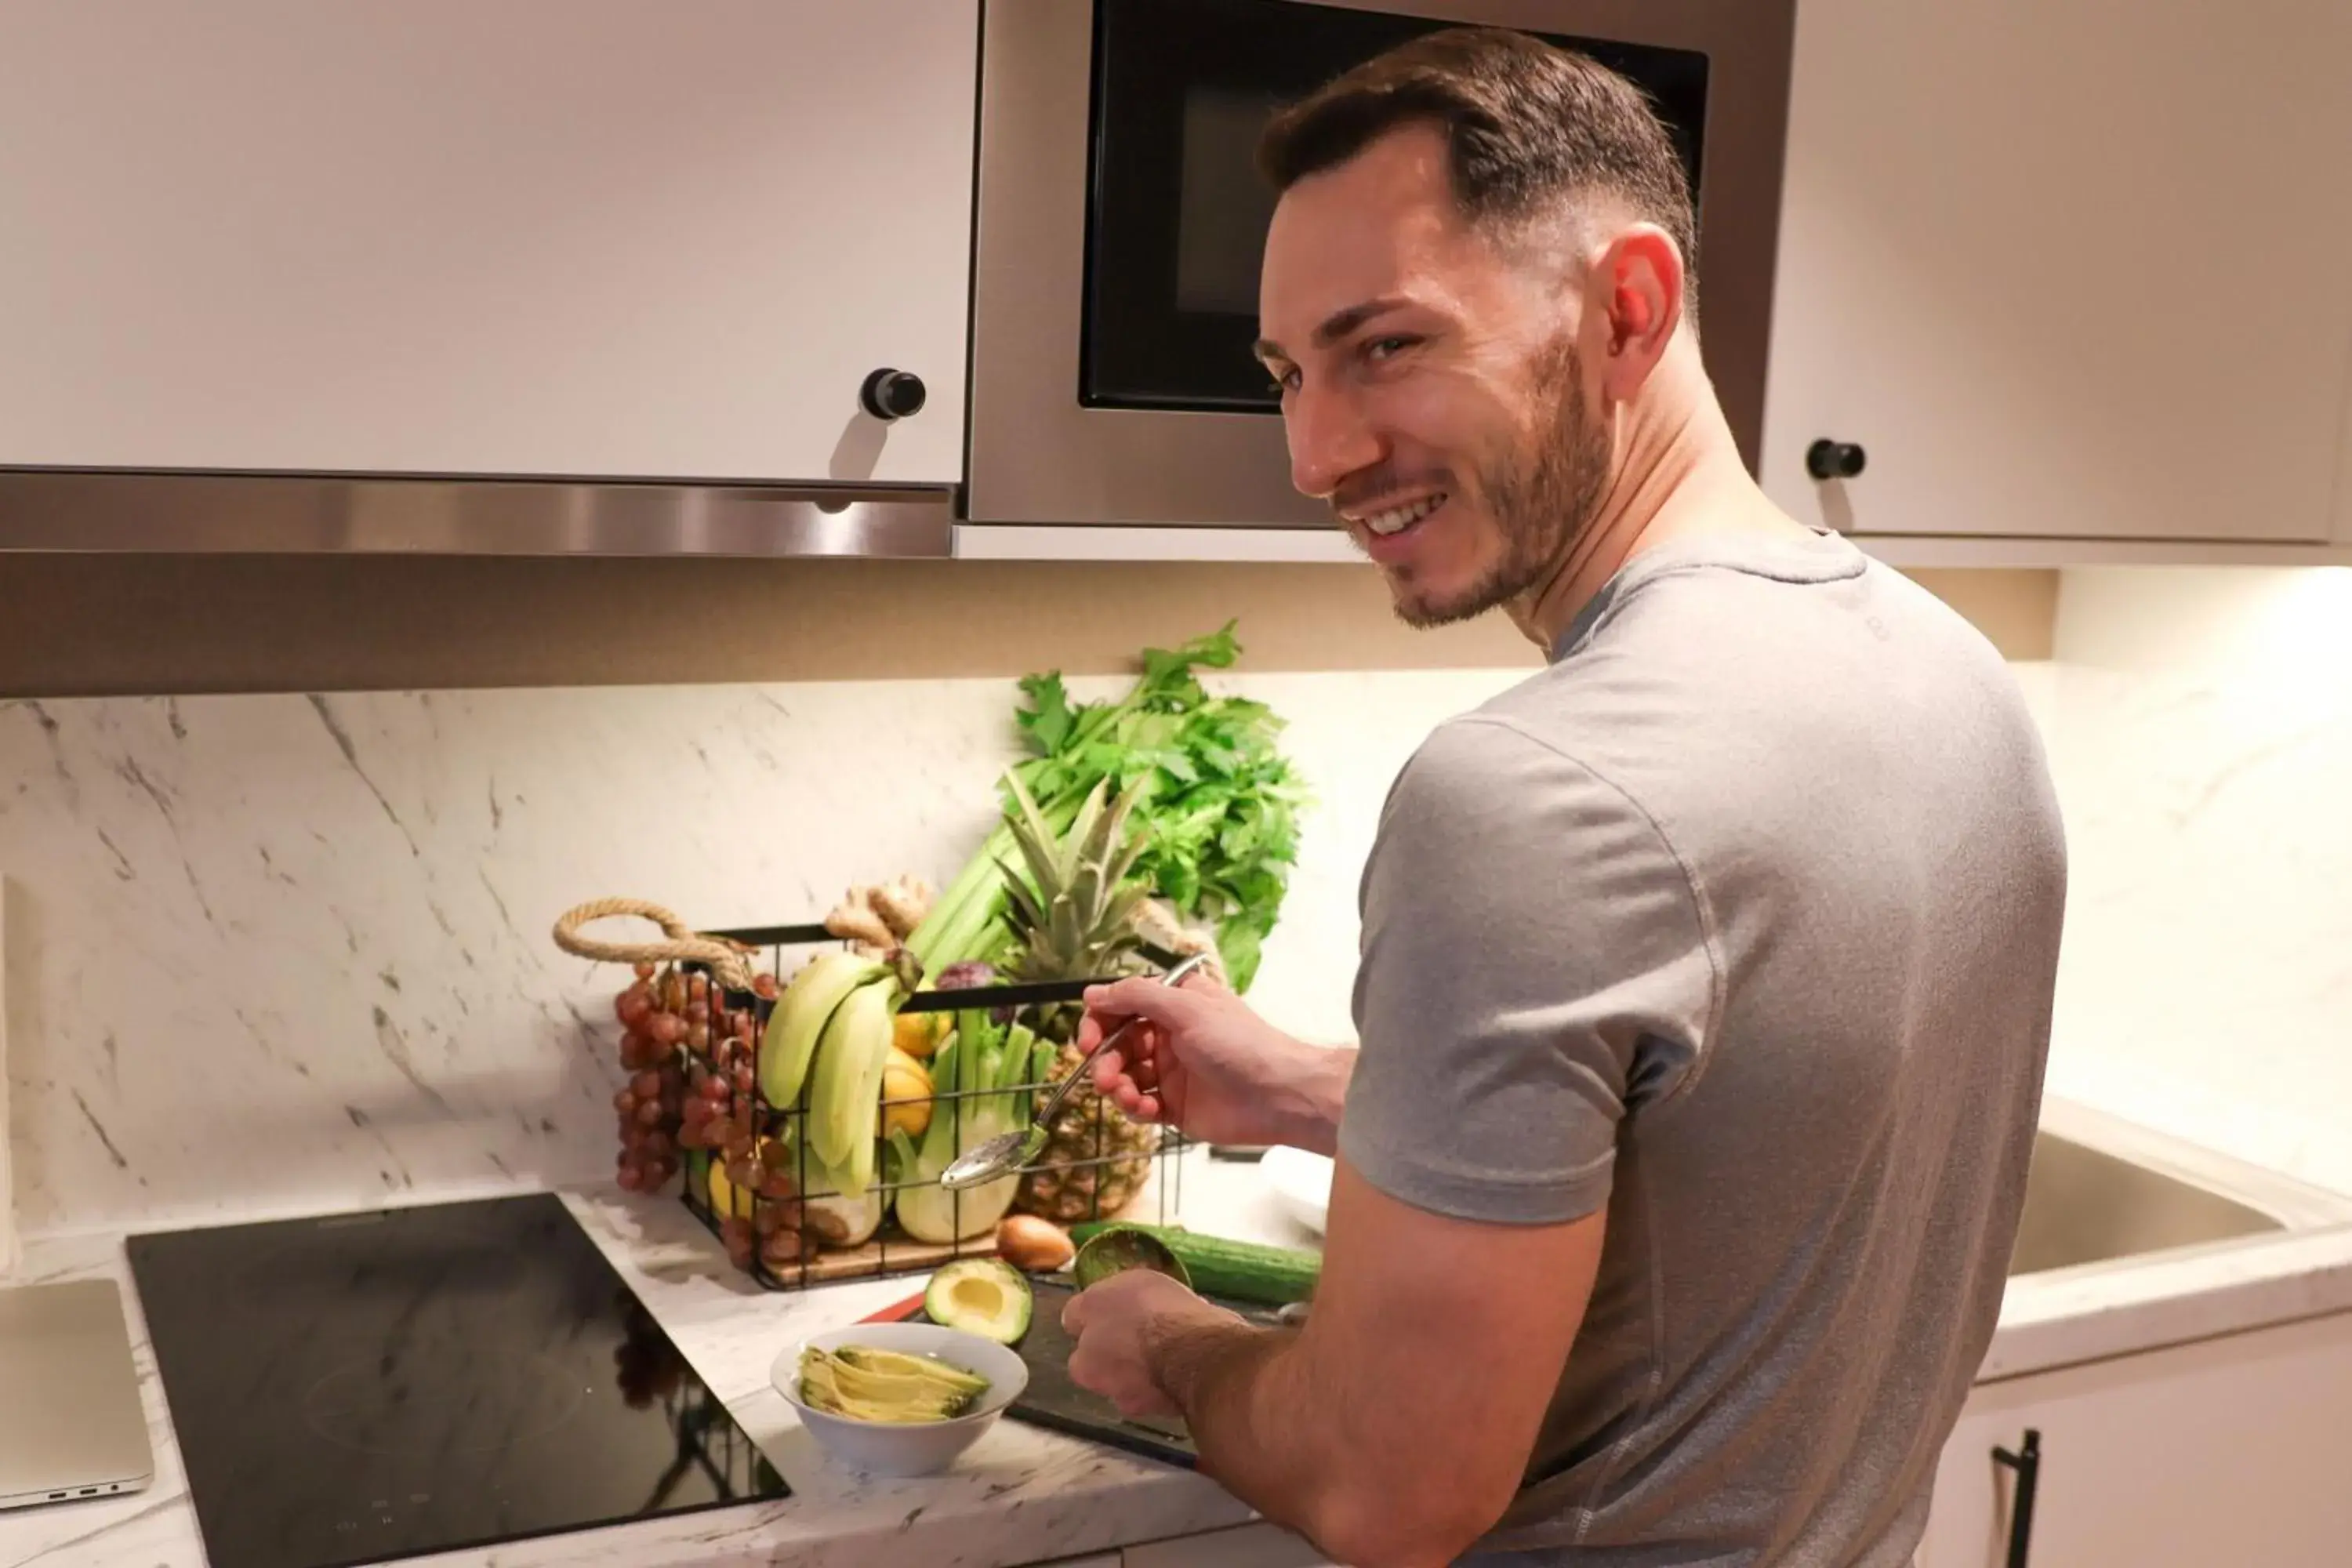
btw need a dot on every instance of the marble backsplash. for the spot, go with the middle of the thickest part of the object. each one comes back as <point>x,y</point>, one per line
<point>2201,725</point>
<point>294,952</point>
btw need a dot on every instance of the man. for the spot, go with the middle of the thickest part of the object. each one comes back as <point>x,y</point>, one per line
<point>1706,977</point>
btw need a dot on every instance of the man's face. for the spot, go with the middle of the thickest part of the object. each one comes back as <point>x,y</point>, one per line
<point>1431,388</point>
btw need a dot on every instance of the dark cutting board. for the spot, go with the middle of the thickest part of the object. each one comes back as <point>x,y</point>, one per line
<point>1052,1400</point>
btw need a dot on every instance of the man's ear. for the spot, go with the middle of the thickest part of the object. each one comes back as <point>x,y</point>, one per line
<point>1632,306</point>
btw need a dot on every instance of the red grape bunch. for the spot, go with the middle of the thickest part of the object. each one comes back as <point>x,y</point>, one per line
<point>720,1113</point>
<point>776,1217</point>
<point>693,1060</point>
<point>653,1013</point>
<point>688,1055</point>
<point>721,1116</point>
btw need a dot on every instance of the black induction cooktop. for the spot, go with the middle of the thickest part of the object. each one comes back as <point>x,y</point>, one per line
<point>356,1388</point>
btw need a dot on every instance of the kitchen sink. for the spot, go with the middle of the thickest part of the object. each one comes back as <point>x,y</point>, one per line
<point>2086,1205</point>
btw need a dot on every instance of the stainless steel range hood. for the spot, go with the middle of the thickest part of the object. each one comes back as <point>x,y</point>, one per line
<point>215,513</point>
<point>197,513</point>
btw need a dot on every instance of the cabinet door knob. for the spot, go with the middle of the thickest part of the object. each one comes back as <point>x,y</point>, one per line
<point>1827,459</point>
<point>892,394</point>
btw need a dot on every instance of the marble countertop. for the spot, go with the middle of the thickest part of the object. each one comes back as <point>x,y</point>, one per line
<point>1021,1495</point>
<point>1024,1495</point>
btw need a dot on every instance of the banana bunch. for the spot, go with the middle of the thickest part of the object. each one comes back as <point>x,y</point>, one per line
<point>831,1034</point>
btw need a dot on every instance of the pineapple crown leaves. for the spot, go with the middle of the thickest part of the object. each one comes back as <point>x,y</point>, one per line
<point>1077,909</point>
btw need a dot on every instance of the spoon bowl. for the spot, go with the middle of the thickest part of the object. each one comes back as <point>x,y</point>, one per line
<point>985,1162</point>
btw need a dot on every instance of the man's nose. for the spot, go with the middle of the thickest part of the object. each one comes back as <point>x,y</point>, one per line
<point>1329,439</point>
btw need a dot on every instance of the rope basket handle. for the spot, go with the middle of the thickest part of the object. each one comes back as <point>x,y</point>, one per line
<point>683,943</point>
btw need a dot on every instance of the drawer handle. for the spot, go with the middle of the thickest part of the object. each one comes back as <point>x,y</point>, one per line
<point>2027,1463</point>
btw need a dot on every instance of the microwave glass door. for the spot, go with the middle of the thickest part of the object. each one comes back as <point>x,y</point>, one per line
<point>1178,211</point>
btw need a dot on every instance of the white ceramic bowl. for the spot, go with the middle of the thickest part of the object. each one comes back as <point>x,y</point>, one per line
<point>908,1448</point>
<point>1301,1183</point>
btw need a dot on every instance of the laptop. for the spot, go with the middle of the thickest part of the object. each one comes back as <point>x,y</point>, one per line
<point>73,1427</point>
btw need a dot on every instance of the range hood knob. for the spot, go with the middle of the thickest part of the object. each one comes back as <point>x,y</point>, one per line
<point>1827,459</point>
<point>892,394</point>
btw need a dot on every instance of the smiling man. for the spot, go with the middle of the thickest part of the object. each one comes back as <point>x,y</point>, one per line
<point>1705,976</point>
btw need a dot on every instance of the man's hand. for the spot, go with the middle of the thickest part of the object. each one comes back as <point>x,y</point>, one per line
<point>1394,1429</point>
<point>1202,1059</point>
<point>1116,1324</point>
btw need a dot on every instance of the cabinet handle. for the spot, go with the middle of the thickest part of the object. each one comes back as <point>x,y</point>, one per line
<point>1827,459</point>
<point>2027,1463</point>
<point>892,394</point>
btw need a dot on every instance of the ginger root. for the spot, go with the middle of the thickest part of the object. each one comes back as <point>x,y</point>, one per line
<point>874,921</point>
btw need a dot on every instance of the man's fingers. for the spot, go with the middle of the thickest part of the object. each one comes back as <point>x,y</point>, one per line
<point>1138,1106</point>
<point>1146,1071</point>
<point>1074,1314</point>
<point>1136,1052</point>
<point>1129,1072</point>
<point>1123,1076</point>
<point>1204,979</point>
<point>1139,998</point>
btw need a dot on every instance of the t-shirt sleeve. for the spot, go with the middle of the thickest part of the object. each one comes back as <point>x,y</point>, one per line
<point>1536,964</point>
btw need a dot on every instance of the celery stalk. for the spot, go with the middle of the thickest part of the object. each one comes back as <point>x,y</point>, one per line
<point>967,921</point>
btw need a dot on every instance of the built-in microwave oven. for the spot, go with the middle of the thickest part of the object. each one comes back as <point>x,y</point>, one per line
<point>1119,218</point>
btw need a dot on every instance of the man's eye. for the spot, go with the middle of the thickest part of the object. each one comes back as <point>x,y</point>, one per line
<point>1287,381</point>
<point>1384,348</point>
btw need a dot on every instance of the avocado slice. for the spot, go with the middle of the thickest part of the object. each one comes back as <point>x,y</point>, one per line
<point>892,1364</point>
<point>917,1389</point>
<point>983,1296</point>
<point>931,1391</point>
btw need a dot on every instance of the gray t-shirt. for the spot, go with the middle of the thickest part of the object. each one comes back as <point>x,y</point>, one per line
<point>1741,919</point>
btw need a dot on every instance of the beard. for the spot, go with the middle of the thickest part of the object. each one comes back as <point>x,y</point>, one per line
<point>1541,495</point>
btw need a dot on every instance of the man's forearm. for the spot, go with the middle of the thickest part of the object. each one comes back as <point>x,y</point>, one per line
<point>1318,1093</point>
<point>1243,1391</point>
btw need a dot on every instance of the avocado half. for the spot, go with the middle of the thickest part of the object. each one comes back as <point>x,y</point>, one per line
<point>983,1296</point>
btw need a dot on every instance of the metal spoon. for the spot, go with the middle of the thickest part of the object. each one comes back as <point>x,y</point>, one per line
<point>1010,1151</point>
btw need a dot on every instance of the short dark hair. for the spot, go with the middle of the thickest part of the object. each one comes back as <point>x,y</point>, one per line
<point>1528,128</point>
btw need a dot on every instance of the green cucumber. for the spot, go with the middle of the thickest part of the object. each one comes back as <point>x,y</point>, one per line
<point>1237,1270</point>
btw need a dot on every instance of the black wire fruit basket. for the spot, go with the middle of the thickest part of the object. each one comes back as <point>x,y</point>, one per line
<point>745,1168</point>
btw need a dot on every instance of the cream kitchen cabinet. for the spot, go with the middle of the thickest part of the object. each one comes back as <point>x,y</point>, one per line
<point>2066,268</point>
<point>595,237</point>
<point>2232,1450</point>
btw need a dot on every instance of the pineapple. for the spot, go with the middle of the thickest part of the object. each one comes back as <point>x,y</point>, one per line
<point>1074,918</point>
